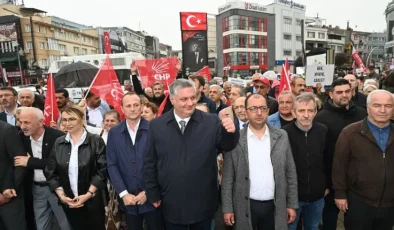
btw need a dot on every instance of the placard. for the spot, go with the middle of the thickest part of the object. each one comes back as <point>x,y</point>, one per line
<point>323,74</point>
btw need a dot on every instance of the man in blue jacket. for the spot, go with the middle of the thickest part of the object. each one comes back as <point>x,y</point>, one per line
<point>126,149</point>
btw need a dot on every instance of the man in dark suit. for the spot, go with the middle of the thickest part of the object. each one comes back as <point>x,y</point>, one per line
<point>12,210</point>
<point>127,144</point>
<point>8,98</point>
<point>180,164</point>
<point>38,141</point>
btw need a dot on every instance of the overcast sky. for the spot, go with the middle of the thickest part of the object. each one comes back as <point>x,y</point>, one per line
<point>161,17</point>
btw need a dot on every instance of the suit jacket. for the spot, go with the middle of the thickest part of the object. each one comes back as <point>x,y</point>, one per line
<point>3,116</point>
<point>236,183</point>
<point>125,163</point>
<point>10,146</point>
<point>181,169</point>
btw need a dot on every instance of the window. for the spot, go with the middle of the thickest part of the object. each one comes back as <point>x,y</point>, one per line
<point>311,34</point>
<point>298,22</point>
<point>38,29</point>
<point>298,38</point>
<point>287,36</point>
<point>62,47</point>
<point>44,62</point>
<point>27,28</point>
<point>339,49</point>
<point>322,36</point>
<point>45,30</point>
<point>84,51</point>
<point>29,45</point>
<point>76,50</point>
<point>93,52</point>
<point>288,21</point>
<point>52,44</point>
<point>287,52</point>
<point>298,53</point>
<point>31,62</point>
<point>42,45</point>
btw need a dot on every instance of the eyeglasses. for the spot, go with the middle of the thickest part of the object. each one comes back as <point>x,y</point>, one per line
<point>6,95</point>
<point>254,109</point>
<point>238,107</point>
<point>71,119</point>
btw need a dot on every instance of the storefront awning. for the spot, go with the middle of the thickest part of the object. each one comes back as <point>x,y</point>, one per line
<point>8,59</point>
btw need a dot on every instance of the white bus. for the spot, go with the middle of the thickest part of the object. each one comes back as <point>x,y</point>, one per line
<point>121,63</point>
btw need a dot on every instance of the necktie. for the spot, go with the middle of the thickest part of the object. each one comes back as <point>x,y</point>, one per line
<point>183,126</point>
<point>244,125</point>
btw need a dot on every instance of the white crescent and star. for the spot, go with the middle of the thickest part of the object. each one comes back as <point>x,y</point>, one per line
<point>188,21</point>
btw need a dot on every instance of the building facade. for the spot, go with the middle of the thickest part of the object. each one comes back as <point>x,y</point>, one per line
<point>390,27</point>
<point>336,39</point>
<point>288,30</point>
<point>245,35</point>
<point>316,37</point>
<point>376,43</point>
<point>165,50</point>
<point>152,47</point>
<point>134,41</point>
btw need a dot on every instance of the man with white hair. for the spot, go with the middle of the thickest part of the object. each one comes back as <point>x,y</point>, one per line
<point>38,141</point>
<point>26,97</point>
<point>215,93</point>
<point>362,171</point>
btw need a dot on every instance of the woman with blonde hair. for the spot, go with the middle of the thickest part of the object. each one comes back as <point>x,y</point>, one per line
<point>77,172</point>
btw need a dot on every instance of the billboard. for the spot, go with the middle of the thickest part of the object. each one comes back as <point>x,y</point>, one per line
<point>390,33</point>
<point>194,41</point>
<point>195,50</point>
<point>8,32</point>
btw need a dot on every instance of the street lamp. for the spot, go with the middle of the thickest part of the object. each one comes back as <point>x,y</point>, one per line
<point>366,62</point>
<point>15,44</point>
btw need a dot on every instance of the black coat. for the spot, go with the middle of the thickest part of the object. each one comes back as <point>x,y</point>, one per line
<point>337,118</point>
<point>360,100</point>
<point>181,170</point>
<point>10,146</point>
<point>308,152</point>
<point>92,165</point>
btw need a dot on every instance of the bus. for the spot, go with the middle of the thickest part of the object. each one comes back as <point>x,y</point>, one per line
<point>120,61</point>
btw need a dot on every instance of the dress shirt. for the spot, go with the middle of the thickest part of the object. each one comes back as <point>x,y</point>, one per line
<point>133,135</point>
<point>95,116</point>
<point>261,172</point>
<point>10,118</point>
<point>241,124</point>
<point>381,135</point>
<point>73,163</point>
<point>36,148</point>
<point>178,119</point>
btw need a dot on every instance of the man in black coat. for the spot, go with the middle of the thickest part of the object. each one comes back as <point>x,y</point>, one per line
<point>180,165</point>
<point>339,111</point>
<point>12,210</point>
<point>40,203</point>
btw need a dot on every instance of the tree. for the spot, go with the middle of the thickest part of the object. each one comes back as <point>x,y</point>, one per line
<point>340,59</point>
<point>298,62</point>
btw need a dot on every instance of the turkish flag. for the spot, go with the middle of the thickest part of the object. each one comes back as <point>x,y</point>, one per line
<point>205,73</point>
<point>51,111</point>
<point>193,21</point>
<point>106,85</point>
<point>107,43</point>
<point>285,77</point>
<point>157,70</point>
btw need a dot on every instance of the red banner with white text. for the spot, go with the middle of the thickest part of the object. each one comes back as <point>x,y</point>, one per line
<point>358,60</point>
<point>162,70</point>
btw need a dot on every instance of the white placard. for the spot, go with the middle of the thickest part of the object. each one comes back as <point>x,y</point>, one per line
<point>323,74</point>
<point>300,70</point>
<point>320,59</point>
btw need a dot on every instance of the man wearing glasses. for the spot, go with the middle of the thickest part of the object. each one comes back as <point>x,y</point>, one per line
<point>8,98</point>
<point>258,171</point>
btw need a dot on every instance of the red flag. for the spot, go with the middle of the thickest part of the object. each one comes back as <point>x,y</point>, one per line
<point>358,60</point>
<point>205,73</point>
<point>193,21</point>
<point>106,85</point>
<point>107,43</point>
<point>157,70</point>
<point>51,111</point>
<point>285,77</point>
<point>162,105</point>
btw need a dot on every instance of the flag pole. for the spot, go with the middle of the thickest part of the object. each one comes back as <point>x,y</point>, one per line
<point>52,88</point>
<point>94,79</point>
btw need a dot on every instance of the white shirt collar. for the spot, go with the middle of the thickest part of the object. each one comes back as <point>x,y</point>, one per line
<point>68,137</point>
<point>90,109</point>
<point>178,119</point>
<point>39,139</point>
<point>266,133</point>
<point>135,128</point>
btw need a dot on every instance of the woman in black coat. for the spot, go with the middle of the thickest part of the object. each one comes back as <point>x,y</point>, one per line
<point>77,172</point>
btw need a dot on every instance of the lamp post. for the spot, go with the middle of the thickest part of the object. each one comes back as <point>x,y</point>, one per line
<point>15,44</point>
<point>366,62</point>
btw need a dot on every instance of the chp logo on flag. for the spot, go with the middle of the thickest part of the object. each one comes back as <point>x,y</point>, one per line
<point>193,21</point>
<point>162,70</point>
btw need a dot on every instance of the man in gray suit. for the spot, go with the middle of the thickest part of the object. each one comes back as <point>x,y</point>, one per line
<point>259,185</point>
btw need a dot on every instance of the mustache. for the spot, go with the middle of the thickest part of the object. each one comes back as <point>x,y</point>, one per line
<point>26,130</point>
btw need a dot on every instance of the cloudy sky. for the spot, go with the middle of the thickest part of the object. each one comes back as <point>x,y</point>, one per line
<point>161,17</point>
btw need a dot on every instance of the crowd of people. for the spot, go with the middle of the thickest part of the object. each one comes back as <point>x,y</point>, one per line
<point>218,156</point>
